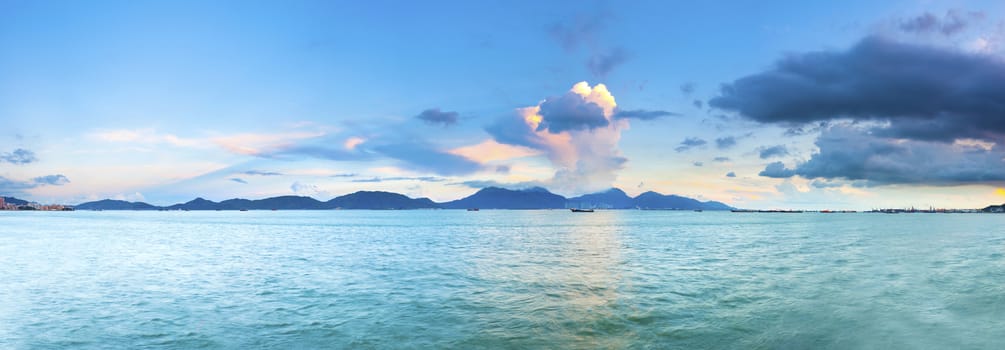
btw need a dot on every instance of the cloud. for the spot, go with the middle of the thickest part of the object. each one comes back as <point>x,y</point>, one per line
<point>345,175</point>
<point>642,114</point>
<point>689,143</point>
<point>423,157</point>
<point>570,112</point>
<point>19,156</point>
<point>18,187</point>
<point>352,142</point>
<point>913,91</point>
<point>777,170</point>
<point>262,173</point>
<point>577,132</point>
<point>730,174</point>
<point>850,153</point>
<point>54,180</point>
<point>238,180</point>
<point>726,142</point>
<point>584,31</point>
<point>264,144</point>
<point>145,136</point>
<point>602,63</point>
<point>773,151</point>
<point>825,184</point>
<point>402,178</point>
<point>491,151</point>
<point>410,151</point>
<point>804,130</point>
<point>698,104</point>
<point>491,183</point>
<point>687,89</point>
<point>698,163</point>
<point>949,24</point>
<point>437,117</point>
<point>888,113</point>
<point>720,159</point>
<point>581,31</point>
<point>306,189</point>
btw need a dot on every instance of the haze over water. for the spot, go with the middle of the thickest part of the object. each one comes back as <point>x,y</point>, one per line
<point>500,279</point>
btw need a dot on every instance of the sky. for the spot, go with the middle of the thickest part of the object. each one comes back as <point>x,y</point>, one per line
<point>781,104</point>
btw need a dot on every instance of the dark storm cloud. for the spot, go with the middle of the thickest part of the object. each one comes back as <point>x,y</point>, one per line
<point>773,151</point>
<point>19,156</point>
<point>689,143</point>
<point>803,130</point>
<point>725,142</point>
<point>238,180</point>
<point>920,92</point>
<point>570,112</point>
<point>437,117</point>
<point>642,114</point>
<point>851,154</point>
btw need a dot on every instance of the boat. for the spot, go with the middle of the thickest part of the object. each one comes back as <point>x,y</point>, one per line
<point>574,210</point>
<point>244,209</point>
<point>472,209</point>
<point>697,210</point>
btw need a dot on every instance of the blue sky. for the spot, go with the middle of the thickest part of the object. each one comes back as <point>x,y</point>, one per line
<point>165,101</point>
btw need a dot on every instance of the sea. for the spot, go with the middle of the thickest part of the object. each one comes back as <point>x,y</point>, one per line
<point>500,279</point>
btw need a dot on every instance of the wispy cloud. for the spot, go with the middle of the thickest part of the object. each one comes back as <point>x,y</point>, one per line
<point>437,117</point>
<point>19,156</point>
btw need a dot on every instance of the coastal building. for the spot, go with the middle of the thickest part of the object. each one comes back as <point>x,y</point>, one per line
<point>3,204</point>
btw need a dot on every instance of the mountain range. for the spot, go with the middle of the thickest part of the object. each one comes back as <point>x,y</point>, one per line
<point>486,198</point>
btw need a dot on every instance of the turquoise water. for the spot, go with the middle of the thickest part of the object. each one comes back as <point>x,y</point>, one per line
<point>501,279</point>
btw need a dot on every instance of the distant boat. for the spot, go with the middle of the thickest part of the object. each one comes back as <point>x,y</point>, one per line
<point>244,209</point>
<point>574,210</point>
<point>698,210</point>
<point>472,209</point>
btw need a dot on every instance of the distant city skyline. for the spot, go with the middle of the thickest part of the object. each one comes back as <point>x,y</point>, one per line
<point>845,105</point>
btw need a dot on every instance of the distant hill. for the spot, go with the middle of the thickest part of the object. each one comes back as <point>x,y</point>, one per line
<point>486,198</point>
<point>379,200</point>
<point>501,198</point>
<point>654,200</point>
<point>111,204</point>
<point>14,201</point>
<point>196,204</point>
<point>613,198</point>
<point>617,199</point>
<point>994,209</point>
